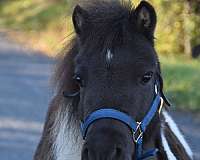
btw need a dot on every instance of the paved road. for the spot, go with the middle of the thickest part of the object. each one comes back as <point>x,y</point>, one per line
<point>24,96</point>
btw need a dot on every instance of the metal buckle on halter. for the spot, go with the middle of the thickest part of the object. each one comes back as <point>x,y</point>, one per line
<point>137,134</point>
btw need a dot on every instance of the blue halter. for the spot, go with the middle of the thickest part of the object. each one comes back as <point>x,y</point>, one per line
<point>137,128</point>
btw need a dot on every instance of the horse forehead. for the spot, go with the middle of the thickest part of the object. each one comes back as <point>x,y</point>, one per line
<point>118,56</point>
<point>130,57</point>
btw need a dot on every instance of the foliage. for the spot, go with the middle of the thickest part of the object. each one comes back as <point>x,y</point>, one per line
<point>44,22</point>
<point>31,15</point>
<point>178,25</point>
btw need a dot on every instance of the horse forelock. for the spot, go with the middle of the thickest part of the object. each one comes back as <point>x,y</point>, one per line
<point>109,24</point>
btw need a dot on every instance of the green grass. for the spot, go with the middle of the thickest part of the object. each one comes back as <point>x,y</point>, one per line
<point>35,15</point>
<point>41,24</point>
<point>182,81</point>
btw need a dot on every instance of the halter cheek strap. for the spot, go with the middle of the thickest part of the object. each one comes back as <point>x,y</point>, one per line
<point>137,128</point>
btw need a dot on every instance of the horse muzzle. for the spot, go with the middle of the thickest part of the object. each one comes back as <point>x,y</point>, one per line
<point>108,143</point>
<point>134,128</point>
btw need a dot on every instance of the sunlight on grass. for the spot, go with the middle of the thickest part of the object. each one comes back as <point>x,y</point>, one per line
<point>182,81</point>
<point>31,15</point>
<point>45,24</point>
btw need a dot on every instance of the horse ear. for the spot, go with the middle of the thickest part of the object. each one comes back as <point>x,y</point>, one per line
<point>146,19</point>
<point>161,91</point>
<point>79,19</point>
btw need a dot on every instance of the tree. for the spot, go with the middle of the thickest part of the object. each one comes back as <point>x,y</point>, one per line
<point>178,25</point>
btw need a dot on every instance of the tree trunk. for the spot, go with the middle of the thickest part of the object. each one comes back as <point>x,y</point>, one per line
<point>187,30</point>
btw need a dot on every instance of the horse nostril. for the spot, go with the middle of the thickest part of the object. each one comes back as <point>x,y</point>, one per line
<point>85,154</point>
<point>117,153</point>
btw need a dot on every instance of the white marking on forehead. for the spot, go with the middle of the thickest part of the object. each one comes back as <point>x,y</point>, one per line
<point>109,56</point>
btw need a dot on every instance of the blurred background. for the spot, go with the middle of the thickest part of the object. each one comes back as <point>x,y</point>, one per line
<point>32,32</point>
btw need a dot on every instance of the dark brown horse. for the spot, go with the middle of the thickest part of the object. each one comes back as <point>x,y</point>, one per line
<point>110,64</point>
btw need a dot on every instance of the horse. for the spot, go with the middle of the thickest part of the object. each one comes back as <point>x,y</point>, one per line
<point>109,81</point>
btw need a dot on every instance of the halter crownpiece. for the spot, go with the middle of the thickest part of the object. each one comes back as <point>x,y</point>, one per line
<point>137,128</point>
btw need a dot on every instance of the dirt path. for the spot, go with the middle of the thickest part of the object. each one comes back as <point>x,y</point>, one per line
<point>24,96</point>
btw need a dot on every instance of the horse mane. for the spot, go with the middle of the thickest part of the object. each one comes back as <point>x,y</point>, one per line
<point>63,82</point>
<point>107,23</point>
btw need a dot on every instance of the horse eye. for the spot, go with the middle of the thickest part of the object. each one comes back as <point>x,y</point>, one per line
<point>79,80</point>
<point>147,77</point>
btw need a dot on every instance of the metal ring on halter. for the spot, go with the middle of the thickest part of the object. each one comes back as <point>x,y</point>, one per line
<point>140,133</point>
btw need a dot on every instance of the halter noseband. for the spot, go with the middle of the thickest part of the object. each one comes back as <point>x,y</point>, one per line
<point>137,128</point>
